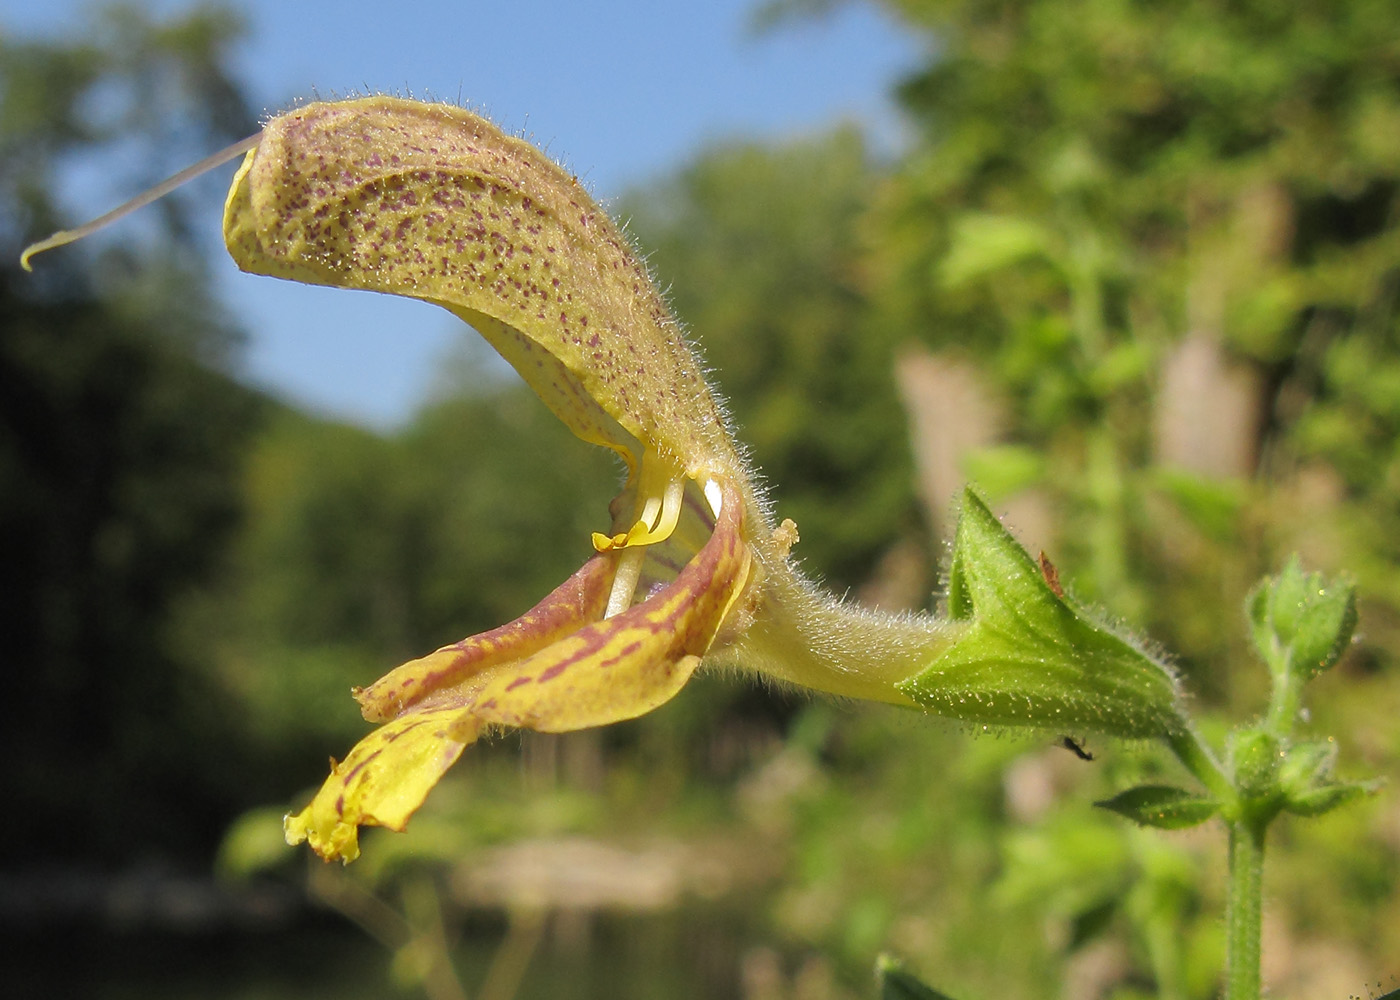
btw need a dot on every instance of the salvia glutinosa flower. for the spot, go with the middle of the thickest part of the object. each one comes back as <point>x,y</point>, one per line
<point>435,203</point>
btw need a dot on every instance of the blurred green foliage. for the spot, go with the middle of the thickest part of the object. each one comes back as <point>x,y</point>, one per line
<point>1087,186</point>
<point>120,450</point>
<point>1095,182</point>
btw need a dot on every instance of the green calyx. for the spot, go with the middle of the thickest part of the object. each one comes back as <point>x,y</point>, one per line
<point>1028,657</point>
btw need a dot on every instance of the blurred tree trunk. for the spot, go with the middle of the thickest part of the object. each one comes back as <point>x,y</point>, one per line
<point>1208,410</point>
<point>952,414</point>
<point>1211,406</point>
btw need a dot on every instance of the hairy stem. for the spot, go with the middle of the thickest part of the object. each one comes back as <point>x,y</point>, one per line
<point>1283,704</point>
<point>804,636</point>
<point>1243,910</point>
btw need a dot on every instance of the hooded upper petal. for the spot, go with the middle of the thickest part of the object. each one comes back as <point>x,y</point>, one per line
<point>436,203</point>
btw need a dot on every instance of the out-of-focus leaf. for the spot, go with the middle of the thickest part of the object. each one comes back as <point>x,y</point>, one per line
<point>1212,506</point>
<point>1004,470</point>
<point>984,243</point>
<point>254,843</point>
<point>896,984</point>
<point>1162,806</point>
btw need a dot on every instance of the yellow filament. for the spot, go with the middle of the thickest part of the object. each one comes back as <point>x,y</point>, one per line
<point>660,512</point>
<point>660,516</point>
<point>629,571</point>
<point>662,497</point>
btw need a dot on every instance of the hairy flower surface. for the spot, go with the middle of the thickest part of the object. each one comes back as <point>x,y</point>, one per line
<point>435,203</point>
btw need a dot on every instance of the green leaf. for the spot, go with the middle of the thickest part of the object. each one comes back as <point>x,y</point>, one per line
<point>1305,777</point>
<point>896,984</point>
<point>1162,806</point>
<point>1307,765</point>
<point>1027,658</point>
<point>984,243</point>
<point>1324,798</point>
<point>1302,622</point>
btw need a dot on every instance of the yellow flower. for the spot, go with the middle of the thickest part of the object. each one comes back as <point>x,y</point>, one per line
<point>433,202</point>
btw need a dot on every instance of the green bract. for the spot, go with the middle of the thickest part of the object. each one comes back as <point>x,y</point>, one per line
<point>1255,755</point>
<point>1329,796</point>
<point>1306,765</point>
<point>1305,778</point>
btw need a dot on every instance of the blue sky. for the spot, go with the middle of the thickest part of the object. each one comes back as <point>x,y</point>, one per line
<point>621,91</point>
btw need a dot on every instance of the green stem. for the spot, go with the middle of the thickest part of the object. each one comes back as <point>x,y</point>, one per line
<point>1244,895</point>
<point>1283,703</point>
<point>1243,910</point>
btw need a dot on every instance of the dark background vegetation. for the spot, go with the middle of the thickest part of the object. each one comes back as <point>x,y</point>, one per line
<point>1135,274</point>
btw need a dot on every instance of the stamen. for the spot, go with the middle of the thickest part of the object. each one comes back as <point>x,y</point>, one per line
<point>663,497</point>
<point>648,518</point>
<point>654,528</point>
<point>697,523</point>
<point>66,236</point>
<point>659,514</point>
<point>629,571</point>
<point>606,543</point>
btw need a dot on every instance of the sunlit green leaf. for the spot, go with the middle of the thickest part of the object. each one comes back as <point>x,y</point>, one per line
<point>984,243</point>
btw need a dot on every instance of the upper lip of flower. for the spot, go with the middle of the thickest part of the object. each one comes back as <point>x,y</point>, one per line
<point>433,202</point>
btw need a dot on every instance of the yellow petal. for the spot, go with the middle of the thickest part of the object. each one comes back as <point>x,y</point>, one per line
<point>383,781</point>
<point>632,663</point>
<point>600,673</point>
<point>578,600</point>
<point>433,202</point>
